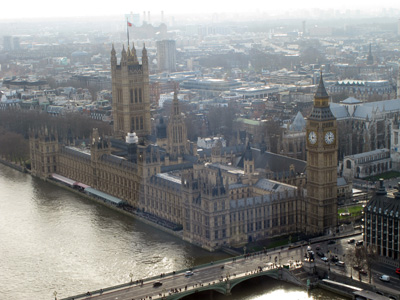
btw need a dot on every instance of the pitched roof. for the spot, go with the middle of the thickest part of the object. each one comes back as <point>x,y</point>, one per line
<point>299,123</point>
<point>321,91</point>
<point>339,111</point>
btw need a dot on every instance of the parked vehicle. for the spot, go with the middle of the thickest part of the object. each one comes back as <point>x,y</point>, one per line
<point>325,259</point>
<point>363,272</point>
<point>398,271</point>
<point>331,242</point>
<point>340,263</point>
<point>385,278</point>
<point>320,254</point>
<point>351,241</point>
<point>359,243</point>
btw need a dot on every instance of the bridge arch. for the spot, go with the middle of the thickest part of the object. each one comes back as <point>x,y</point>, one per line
<point>243,279</point>
<point>218,289</point>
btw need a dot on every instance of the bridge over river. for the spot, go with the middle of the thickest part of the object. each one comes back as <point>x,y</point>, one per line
<point>220,276</point>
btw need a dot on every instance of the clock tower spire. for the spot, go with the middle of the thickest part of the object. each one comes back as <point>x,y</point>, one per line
<point>322,151</point>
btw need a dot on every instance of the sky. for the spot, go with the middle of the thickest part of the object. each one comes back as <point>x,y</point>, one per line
<point>23,9</point>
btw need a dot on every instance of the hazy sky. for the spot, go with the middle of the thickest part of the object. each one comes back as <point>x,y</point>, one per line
<point>53,8</point>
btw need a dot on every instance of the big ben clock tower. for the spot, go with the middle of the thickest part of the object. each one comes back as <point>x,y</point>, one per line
<point>322,148</point>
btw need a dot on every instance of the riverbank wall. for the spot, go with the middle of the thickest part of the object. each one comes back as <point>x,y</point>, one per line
<point>120,210</point>
<point>13,165</point>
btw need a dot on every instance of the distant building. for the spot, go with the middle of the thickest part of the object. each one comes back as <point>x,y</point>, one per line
<point>395,145</point>
<point>364,90</point>
<point>7,45</point>
<point>210,87</point>
<point>16,44</point>
<point>398,27</point>
<point>208,143</point>
<point>166,56</point>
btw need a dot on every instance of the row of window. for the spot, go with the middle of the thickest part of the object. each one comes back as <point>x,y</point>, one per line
<point>135,95</point>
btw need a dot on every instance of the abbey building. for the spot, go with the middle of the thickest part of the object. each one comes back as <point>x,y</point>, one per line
<point>226,197</point>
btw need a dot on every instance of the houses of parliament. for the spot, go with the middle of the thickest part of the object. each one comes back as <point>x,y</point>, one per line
<point>222,198</point>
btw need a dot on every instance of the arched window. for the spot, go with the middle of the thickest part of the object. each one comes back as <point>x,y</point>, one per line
<point>348,164</point>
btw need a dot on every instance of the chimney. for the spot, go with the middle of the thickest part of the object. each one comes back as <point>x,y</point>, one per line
<point>381,188</point>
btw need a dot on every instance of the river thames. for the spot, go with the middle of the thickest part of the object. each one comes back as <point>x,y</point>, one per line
<point>54,240</point>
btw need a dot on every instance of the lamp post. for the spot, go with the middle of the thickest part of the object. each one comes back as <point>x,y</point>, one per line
<point>131,275</point>
<point>55,295</point>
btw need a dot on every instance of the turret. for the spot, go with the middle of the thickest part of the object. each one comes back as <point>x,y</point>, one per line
<point>113,58</point>
<point>145,59</point>
<point>132,140</point>
<point>124,58</point>
<point>134,55</point>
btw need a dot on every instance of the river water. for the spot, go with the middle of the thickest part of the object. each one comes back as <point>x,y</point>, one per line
<point>54,240</point>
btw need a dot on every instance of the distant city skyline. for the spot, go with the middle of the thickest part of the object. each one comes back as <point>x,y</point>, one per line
<point>50,9</point>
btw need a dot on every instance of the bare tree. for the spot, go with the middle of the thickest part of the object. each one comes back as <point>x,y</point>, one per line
<point>356,258</point>
<point>371,254</point>
<point>14,147</point>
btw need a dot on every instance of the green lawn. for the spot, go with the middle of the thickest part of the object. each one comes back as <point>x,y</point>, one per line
<point>387,175</point>
<point>353,210</point>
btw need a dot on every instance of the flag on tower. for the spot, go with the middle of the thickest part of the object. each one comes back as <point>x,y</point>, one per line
<point>129,24</point>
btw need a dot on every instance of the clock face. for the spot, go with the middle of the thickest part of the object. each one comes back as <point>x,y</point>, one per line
<point>329,137</point>
<point>312,137</point>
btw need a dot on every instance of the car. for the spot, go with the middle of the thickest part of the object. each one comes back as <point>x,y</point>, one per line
<point>351,241</point>
<point>398,271</point>
<point>318,248</point>
<point>385,278</point>
<point>359,243</point>
<point>325,259</point>
<point>363,272</point>
<point>331,242</point>
<point>188,273</point>
<point>320,254</point>
<point>334,259</point>
<point>157,284</point>
<point>339,263</point>
<point>355,267</point>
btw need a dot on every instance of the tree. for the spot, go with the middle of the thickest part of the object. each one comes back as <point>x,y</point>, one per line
<point>14,146</point>
<point>364,256</point>
<point>356,258</point>
<point>371,255</point>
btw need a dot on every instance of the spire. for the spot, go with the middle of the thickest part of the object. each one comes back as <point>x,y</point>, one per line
<point>131,59</point>
<point>321,91</point>
<point>113,58</point>
<point>145,60</point>
<point>370,58</point>
<point>175,104</point>
<point>144,51</point>
<point>248,154</point>
<point>133,53</point>
<point>123,55</point>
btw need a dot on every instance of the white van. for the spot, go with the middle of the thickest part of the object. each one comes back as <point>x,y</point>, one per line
<point>385,278</point>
